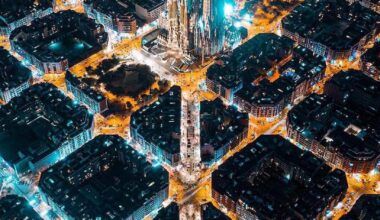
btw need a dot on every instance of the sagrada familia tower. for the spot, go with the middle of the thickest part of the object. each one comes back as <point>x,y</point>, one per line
<point>196,27</point>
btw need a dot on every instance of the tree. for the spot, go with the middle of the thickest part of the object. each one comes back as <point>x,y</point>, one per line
<point>129,105</point>
<point>89,70</point>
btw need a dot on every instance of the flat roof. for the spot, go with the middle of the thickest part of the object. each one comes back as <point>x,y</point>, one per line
<point>278,180</point>
<point>372,55</point>
<point>38,122</point>
<point>265,93</point>
<point>332,130</point>
<point>150,5</point>
<point>12,72</point>
<point>75,38</point>
<point>303,65</point>
<point>333,23</point>
<point>11,10</point>
<point>355,90</point>
<point>15,207</point>
<point>85,88</point>
<point>251,60</point>
<point>159,123</point>
<point>105,178</point>
<point>219,125</point>
<point>113,8</point>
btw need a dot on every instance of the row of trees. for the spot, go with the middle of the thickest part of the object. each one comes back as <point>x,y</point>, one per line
<point>121,108</point>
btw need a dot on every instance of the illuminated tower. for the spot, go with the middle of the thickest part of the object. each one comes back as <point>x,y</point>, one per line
<point>214,27</point>
<point>173,13</point>
<point>184,26</point>
<point>196,26</point>
<point>179,27</point>
<point>240,4</point>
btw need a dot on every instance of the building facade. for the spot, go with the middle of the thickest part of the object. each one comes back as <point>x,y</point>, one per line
<point>95,101</point>
<point>46,127</point>
<point>114,15</point>
<point>105,161</point>
<point>10,20</point>
<point>309,24</point>
<point>40,44</point>
<point>14,76</point>
<point>273,179</point>
<point>336,128</point>
<point>150,10</point>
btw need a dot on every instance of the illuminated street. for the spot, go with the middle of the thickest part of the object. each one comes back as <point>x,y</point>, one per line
<point>190,181</point>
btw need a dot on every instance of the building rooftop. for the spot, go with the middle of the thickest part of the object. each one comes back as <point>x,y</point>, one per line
<point>251,60</point>
<point>373,1</point>
<point>11,10</point>
<point>115,9</point>
<point>209,212</point>
<point>372,56</point>
<point>171,212</point>
<point>12,72</point>
<point>150,5</point>
<point>227,78</point>
<point>333,23</point>
<point>302,66</point>
<point>366,207</point>
<point>159,123</point>
<point>38,122</point>
<point>105,178</point>
<point>15,207</point>
<point>356,91</point>
<point>59,36</point>
<point>279,180</point>
<point>260,54</point>
<point>77,82</point>
<point>265,93</point>
<point>219,126</point>
<point>352,133</point>
<point>253,64</point>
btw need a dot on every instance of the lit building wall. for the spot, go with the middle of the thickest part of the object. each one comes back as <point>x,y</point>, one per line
<point>329,154</point>
<point>162,155</point>
<point>24,21</point>
<point>150,15</point>
<point>93,105</point>
<point>7,95</point>
<point>123,24</point>
<point>330,54</point>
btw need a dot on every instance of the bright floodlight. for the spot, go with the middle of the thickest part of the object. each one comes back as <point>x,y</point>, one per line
<point>228,9</point>
<point>237,24</point>
<point>247,17</point>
